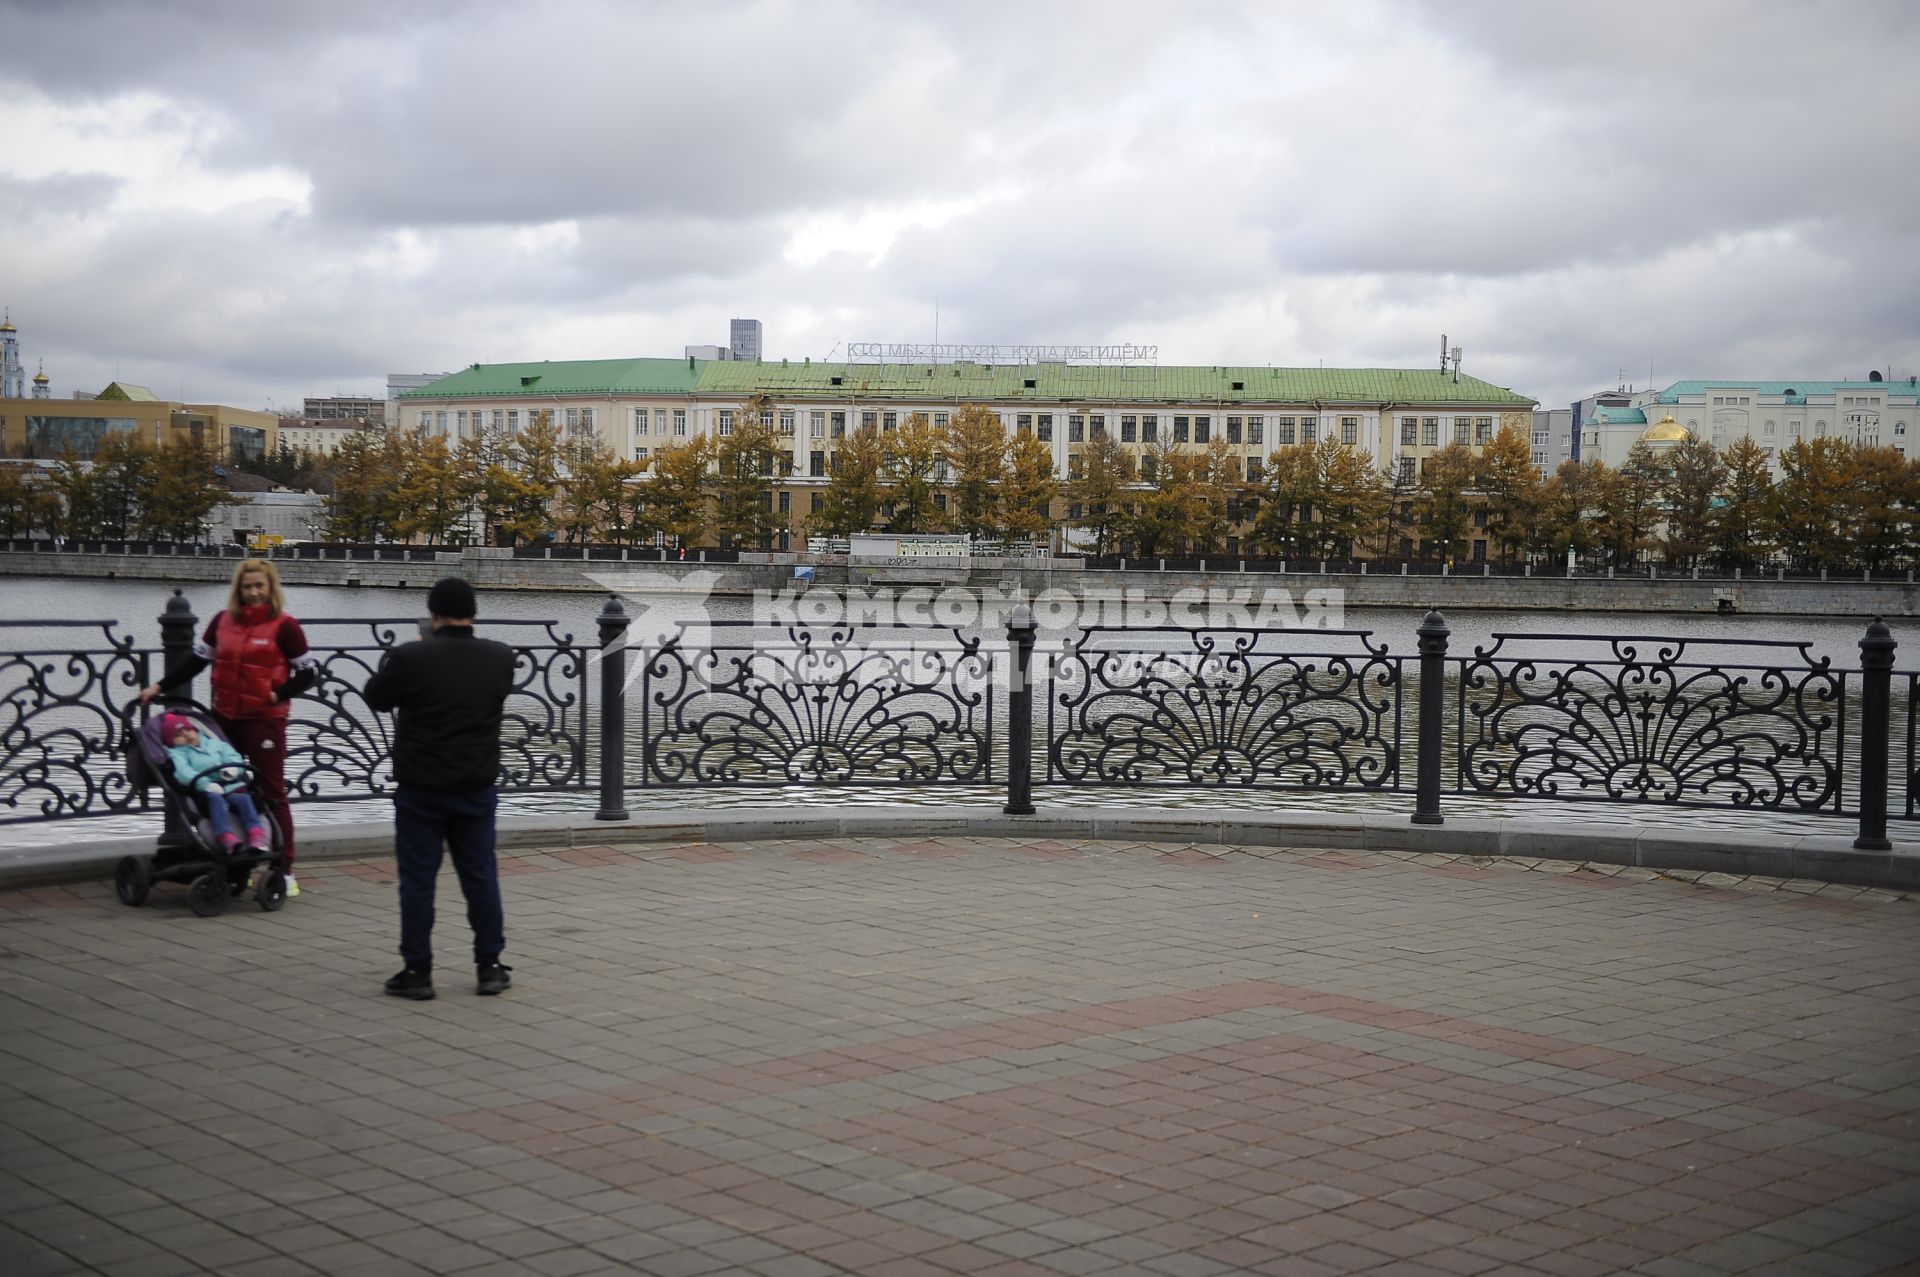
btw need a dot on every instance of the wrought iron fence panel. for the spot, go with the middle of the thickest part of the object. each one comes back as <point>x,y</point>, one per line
<point>1226,707</point>
<point>1636,720</point>
<point>66,720</point>
<point>753,705</point>
<point>339,748</point>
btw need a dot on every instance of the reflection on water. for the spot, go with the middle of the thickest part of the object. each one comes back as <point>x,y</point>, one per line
<point>137,605</point>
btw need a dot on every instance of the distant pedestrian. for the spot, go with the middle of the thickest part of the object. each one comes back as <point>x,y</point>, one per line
<point>260,662</point>
<point>449,690</point>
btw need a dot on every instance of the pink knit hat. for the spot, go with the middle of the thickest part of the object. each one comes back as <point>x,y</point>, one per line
<point>171,725</point>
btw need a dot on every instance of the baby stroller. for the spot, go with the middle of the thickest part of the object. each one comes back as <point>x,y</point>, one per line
<point>213,876</point>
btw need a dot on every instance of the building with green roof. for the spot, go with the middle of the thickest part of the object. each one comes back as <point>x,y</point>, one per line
<point>635,406</point>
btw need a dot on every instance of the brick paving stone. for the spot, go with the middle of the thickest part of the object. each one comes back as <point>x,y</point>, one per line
<point>973,1055</point>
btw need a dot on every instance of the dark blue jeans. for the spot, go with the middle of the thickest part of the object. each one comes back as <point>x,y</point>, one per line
<point>423,820</point>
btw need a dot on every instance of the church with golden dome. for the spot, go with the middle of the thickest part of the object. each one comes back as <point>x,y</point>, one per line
<point>1875,411</point>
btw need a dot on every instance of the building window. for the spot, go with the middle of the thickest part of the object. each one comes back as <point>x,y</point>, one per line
<point>1309,429</point>
<point>869,419</point>
<point>889,420</point>
<point>1234,427</point>
<point>679,423</point>
<point>1202,429</point>
<point>786,421</point>
<point>1181,429</point>
<point>1024,423</point>
<point>1283,431</point>
<point>1076,429</point>
<point>817,465</point>
<point>1255,470</point>
<point>786,503</point>
<point>639,421</point>
<point>1430,432</point>
<point>1460,427</point>
<point>1046,428</point>
<point>817,425</point>
<point>1073,465</point>
<point>1150,429</point>
<point>839,425</point>
<point>726,423</point>
<point>1129,429</point>
<point>1767,430</point>
<point>1408,425</point>
<point>639,454</point>
<point>1256,430</point>
<point>1406,470</point>
<point>940,420</point>
<point>1349,430</point>
<point>1096,426</point>
<point>440,421</point>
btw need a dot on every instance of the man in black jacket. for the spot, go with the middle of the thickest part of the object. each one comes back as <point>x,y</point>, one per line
<point>449,689</point>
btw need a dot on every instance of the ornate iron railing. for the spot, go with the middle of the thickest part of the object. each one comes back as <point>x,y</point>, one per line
<point>1245,708</point>
<point>65,719</point>
<point>1575,718</point>
<point>1724,723</point>
<point>338,748</point>
<point>751,705</point>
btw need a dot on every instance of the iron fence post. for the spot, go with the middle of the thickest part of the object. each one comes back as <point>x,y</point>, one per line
<point>1876,700</point>
<point>1020,633</point>
<point>613,710</point>
<point>1433,634</point>
<point>177,625</point>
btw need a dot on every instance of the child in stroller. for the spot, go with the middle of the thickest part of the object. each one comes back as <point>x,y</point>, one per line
<point>204,779</point>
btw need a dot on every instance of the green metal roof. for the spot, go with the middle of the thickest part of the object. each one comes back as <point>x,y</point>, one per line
<point>1619,417</point>
<point>565,377</point>
<point>965,383</point>
<point>1078,383</point>
<point>1800,389</point>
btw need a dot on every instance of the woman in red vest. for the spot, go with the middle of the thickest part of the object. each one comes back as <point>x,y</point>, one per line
<point>260,662</point>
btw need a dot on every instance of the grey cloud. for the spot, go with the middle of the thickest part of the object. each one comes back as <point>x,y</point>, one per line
<point>27,200</point>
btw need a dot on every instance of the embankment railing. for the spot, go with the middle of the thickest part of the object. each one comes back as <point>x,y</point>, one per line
<point>1729,724</point>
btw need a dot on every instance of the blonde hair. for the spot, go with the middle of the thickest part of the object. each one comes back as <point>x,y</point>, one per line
<point>275,598</point>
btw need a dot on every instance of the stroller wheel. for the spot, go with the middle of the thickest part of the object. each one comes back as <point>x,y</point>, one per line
<point>272,891</point>
<point>208,895</point>
<point>132,881</point>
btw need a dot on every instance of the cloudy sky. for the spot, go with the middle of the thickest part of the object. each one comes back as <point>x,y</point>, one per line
<point>248,203</point>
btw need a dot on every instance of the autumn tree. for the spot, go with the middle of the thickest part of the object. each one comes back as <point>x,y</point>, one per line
<point>73,485</point>
<point>1743,518</point>
<point>123,475</point>
<point>1353,499</point>
<point>912,459</point>
<point>1694,474</point>
<point>744,465</point>
<point>1508,490</point>
<point>975,449</point>
<point>182,491</point>
<point>1106,469</point>
<point>364,474</point>
<point>1569,508</point>
<point>678,490</point>
<point>593,501</point>
<point>1813,514</point>
<point>1444,511</point>
<point>1288,496</point>
<point>432,496</point>
<point>851,502</point>
<point>1630,505</point>
<point>1885,495</point>
<point>1027,509</point>
<point>1165,515</point>
<point>521,486</point>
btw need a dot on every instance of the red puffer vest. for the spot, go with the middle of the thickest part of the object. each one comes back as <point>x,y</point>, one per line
<point>248,665</point>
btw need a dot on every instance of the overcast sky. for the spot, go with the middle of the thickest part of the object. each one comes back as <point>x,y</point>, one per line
<point>240,202</point>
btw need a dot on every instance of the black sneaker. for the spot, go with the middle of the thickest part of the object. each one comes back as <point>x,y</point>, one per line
<point>493,978</point>
<point>410,983</point>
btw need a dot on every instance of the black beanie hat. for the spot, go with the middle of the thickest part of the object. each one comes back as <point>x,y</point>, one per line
<point>451,596</point>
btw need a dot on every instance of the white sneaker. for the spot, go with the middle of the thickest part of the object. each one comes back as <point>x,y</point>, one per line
<point>293,888</point>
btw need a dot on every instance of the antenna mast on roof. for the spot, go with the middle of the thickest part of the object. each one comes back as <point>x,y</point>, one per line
<point>1443,354</point>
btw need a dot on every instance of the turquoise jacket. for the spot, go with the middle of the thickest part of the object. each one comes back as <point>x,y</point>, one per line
<point>188,760</point>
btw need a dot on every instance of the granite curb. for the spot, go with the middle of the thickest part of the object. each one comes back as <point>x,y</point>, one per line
<point>1818,857</point>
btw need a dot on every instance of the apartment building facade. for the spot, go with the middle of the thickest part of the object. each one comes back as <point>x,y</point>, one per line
<point>1774,414</point>
<point>1397,416</point>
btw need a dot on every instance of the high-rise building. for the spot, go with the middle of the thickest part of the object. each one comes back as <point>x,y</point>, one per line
<point>743,339</point>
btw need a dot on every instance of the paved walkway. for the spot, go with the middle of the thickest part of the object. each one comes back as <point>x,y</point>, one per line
<point>971,1056</point>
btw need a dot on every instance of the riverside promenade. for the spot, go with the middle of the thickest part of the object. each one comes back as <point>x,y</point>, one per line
<point>950,1054</point>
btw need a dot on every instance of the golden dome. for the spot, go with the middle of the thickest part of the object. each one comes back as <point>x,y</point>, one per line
<point>1665,430</point>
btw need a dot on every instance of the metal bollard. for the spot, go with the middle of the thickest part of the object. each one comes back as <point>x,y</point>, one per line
<point>1876,704</point>
<point>613,710</point>
<point>1020,634</point>
<point>1433,634</point>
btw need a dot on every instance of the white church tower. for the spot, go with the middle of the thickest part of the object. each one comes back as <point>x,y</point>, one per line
<point>13,377</point>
